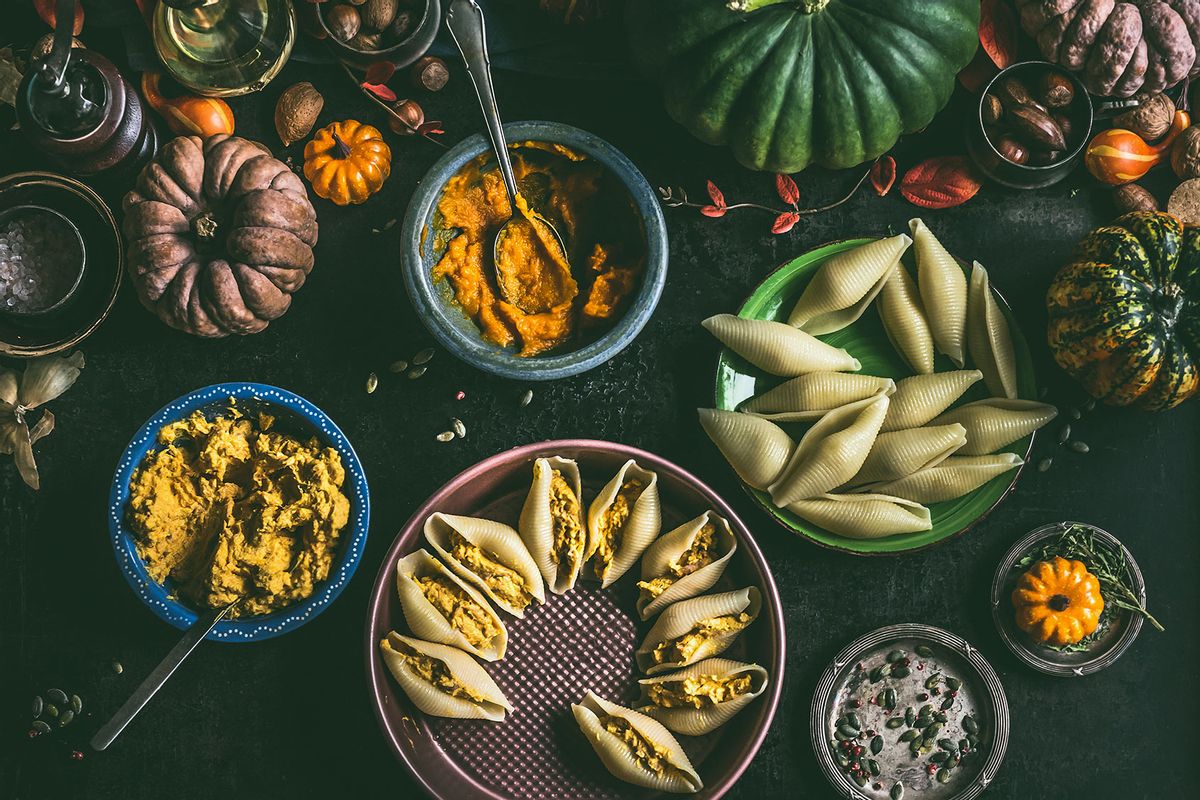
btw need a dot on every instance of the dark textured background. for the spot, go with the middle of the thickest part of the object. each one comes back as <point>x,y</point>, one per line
<point>289,718</point>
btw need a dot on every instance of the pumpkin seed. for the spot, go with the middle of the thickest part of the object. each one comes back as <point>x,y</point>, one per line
<point>876,745</point>
<point>897,792</point>
<point>860,778</point>
<point>953,761</point>
<point>1045,464</point>
<point>415,373</point>
<point>65,718</point>
<point>910,716</point>
<point>963,744</point>
<point>926,710</point>
<point>923,722</point>
<point>946,745</point>
<point>939,757</point>
<point>527,398</point>
<point>1075,414</point>
<point>924,650</point>
<point>895,656</point>
<point>974,741</point>
<point>57,696</point>
<point>398,366</point>
<point>117,667</point>
<point>1089,406</point>
<point>947,703</point>
<point>908,736</point>
<point>873,765</point>
<point>424,356</point>
<point>460,430</point>
<point>1080,447</point>
<point>445,436</point>
<point>51,710</point>
<point>372,382</point>
<point>932,731</point>
<point>933,680</point>
<point>885,670</point>
<point>1064,434</point>
<point>954,684</point>
<point>940,716</point>
<point>840,721</point>
<point>843,762</point>
<point>40,726</point>
<point>876,675</point>
<point>848,731</point>
<point>1042,392</point>
<point>837,734</point>
<point>901,671</point>
<point>38,705</point>
<point>889,699</point>
<point>926,747</point>
<point>852,721</point>
<point>76,703</point>
<point>943,775</point>
<point>914,746</point>
<point>970,725</point>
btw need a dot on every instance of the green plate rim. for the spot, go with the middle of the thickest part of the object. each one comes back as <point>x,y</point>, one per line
<point>769,287</point>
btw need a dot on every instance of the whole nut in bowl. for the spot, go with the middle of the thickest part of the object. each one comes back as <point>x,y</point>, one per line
<point>1033,122</point>
<point>555,321</point>
<point>362,32</point>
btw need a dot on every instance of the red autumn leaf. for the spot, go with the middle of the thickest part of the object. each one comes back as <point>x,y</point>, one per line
<point>380,91</point>
<point>717,197</point>
<point>788,191</point>
<point>942,182</point>
<point>883,174</point>
<point>998,32</point>
<point>430,128</point>
<point>713,211</point>
<point>46,10</point>
<point>785,222</point>
<point>974,75</point>
<point>380,72</point>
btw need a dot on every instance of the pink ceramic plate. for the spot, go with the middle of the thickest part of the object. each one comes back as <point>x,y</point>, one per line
<point>578,641</point>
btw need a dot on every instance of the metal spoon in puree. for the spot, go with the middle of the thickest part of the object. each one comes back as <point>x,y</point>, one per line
<point>528,254</point>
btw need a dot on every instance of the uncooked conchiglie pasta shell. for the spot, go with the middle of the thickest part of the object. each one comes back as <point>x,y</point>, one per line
<point>778,348</point>
<point>493,537</point>
<point>989,337</point>
<point>943,291</point>
<point>952,478</point>
<point>432,700</point>
<point>904,320</point>
<point>756,448</point>
<point>812,396</point>
<point>688,721</point>
<point>997,422</point>
<point>901,453</point>
<point>864,516</point>
<point>640,527</point>
<point>659,557</point>
<point>920,398</point>
<point>845,285</point>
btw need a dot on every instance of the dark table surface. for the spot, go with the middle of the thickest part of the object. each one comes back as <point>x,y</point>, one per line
<point>290,717</point>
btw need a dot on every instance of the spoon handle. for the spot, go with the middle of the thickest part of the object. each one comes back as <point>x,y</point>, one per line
<point>154,681</point>
<point>467,28</point>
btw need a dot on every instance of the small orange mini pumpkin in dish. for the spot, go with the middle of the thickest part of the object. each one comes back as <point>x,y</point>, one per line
<point>1058,602</point>
<point>347,162</point>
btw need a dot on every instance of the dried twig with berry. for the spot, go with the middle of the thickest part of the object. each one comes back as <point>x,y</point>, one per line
<point>405,117</point>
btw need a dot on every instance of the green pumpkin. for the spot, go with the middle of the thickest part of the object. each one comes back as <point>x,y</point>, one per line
<point>1125,313</point>
<point>788,83</point>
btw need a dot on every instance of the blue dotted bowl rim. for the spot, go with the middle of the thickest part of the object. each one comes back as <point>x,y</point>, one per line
<point>267,626</point>
<point>445,320</point>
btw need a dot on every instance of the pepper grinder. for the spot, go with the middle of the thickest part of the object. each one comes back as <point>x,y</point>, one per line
<point>76,107</point>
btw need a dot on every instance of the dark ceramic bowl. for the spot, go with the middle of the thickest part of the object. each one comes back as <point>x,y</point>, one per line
<point>403,52</point>
<point>455,331</point>
<point>1028,176</point>
<point>92,298</point>
<point>68,283</point>
<point>297,417</point>
<point>580,640</point>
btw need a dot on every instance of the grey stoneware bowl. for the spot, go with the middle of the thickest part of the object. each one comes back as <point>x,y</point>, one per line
<point>456,332</point>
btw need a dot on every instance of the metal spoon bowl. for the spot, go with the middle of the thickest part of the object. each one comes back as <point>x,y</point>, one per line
<point>465,21</point>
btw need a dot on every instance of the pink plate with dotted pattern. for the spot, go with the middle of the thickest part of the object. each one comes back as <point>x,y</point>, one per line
<point>578,641</point>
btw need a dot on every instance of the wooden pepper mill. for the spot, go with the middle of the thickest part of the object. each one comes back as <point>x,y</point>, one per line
<point>75,106</point>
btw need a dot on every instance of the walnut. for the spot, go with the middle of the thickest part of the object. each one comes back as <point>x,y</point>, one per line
<point>1131,197</point>
<point>1185,154</point>
<point>1151,119</point>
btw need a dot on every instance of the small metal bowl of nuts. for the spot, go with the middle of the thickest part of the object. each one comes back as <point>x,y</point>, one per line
<point>1032,124</point>
<point>362,32</point>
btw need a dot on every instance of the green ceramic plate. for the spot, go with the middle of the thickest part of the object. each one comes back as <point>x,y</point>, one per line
<point>866,340</point>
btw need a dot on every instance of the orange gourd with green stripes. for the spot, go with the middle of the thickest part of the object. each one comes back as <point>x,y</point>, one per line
<point>1117,156</point>
<point>1124,315</point>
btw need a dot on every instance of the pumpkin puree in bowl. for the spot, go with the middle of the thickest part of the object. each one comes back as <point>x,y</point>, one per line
<point>554,302</point>
<point>229,508</point>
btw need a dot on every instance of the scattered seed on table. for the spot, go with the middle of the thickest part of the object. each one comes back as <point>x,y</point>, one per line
<point>372,382</point>
<point>117,667</point>
<point>51,710</point>
<point>445,436</point>
<point>527,398</point>
<point>460,430</point>
<point>40,726</point>
<point>398,366</point>
<point>76,703</point>
<point>1042,392</point>
<point>1090,405</point>
<point>1064,434</point>
<point>1045,464</point>
<point>1075,414</point>
<point>424,356</point>
<point>38,705</point>
<point>1080,447</point>
<point>416,373</point>
<point>65,718</point>
<point>460,395</point>
<point>57,696</point>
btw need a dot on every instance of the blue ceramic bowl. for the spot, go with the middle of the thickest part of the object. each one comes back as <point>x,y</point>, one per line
<point>455,331</point>
<point>295,415</point>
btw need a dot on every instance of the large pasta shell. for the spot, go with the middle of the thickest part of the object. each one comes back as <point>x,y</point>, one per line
<point>688,721</point>
<point>845,285</point>
<point>634,534</point>
<point>864,516</point>
<point>943,291</point>
<point>831,452</point>
<point>679,776</point>
<point>904,320</point>
<point>952,478</point>
<point>810,397</point>
<point>901,453</point>
<point>757,449</point>
<point>920,398</point>
<point>500,542</point>
<point>778,348</point>
<point>681,618</point>
<point>424,618</point>
<point>989,338</point>
<point>539,526</point>
<point>661,556</point>
<point>491,703</point>
<point>997,422</point>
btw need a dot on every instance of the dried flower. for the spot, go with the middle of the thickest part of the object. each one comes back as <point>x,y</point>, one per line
<point>43,380</point>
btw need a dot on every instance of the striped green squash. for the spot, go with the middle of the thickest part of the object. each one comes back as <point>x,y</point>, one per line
<point>1125,313</point>
<point>788,83</point>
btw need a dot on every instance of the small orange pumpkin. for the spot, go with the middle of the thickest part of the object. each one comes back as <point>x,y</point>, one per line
<point>1058,602</point>
<point>347,162</point>
<point>1117,156</point>
<point>188,114</point>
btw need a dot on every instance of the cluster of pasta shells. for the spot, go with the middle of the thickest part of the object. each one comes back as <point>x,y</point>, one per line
<point>878,450</point>
<point>450,599</point>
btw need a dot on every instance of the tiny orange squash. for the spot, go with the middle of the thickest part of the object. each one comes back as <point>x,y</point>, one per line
<point>1058,602</point>
<point>188,114</point>
<point>347,162</point>
<point>1118,156</point>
